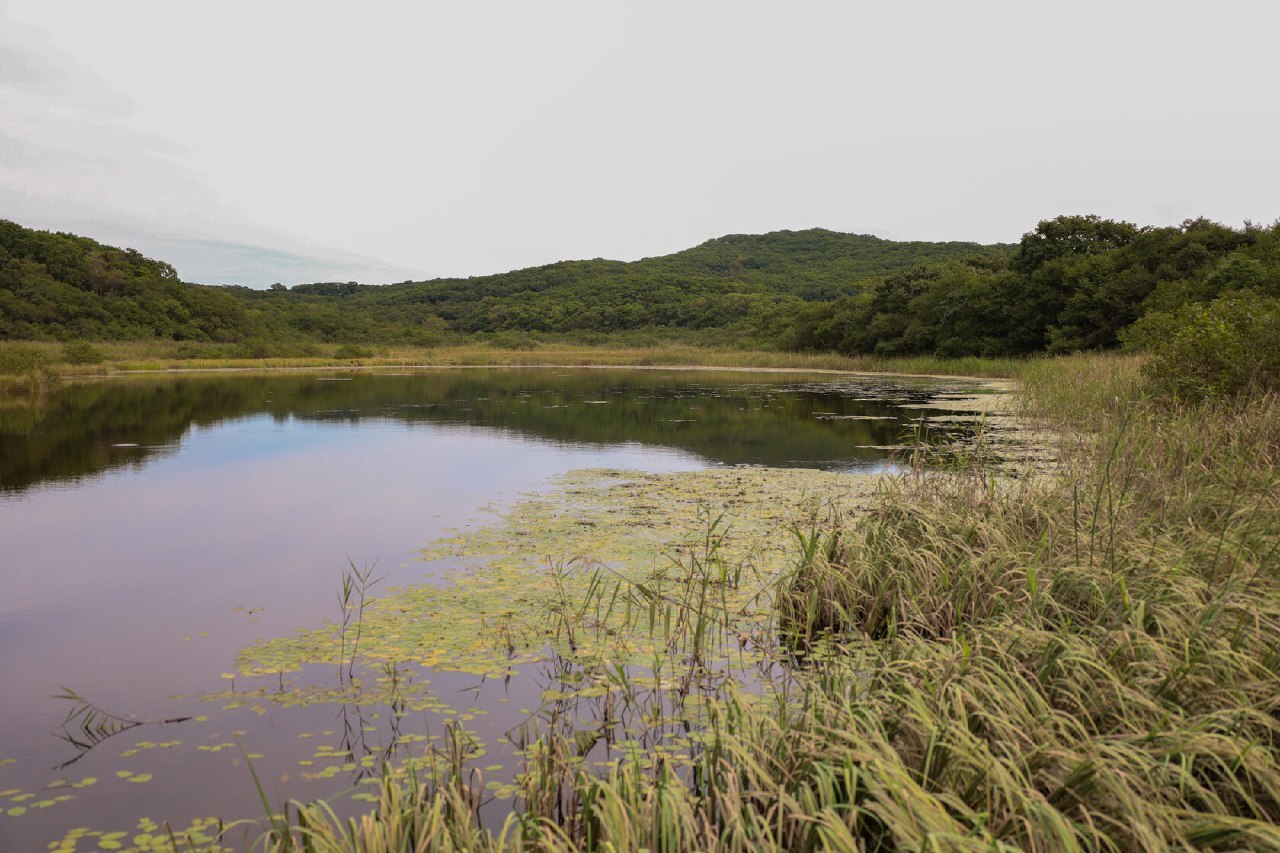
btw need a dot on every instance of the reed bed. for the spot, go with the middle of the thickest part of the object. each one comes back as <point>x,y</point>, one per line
<point>1087,661</point>
<point>1082,660</point>
<point>117,356</point>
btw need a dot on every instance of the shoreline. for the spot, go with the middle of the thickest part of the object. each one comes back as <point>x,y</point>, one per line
<point>1009,384</point>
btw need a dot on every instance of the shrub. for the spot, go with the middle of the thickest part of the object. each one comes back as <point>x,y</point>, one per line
<point>190,349</point>
<point>253,349</point>
<point>1218,349</point>
<point>20,358</point>
<point>352,351</point>
<point>512,341</point>
<point>80,352</point>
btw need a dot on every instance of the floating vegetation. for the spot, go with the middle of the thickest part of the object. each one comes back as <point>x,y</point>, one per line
<point>507,602</point>
<point>143,745</point>
<point>18,802</point>
<point>832,416</point>
<point>147,836</point>
<point>633,599</point>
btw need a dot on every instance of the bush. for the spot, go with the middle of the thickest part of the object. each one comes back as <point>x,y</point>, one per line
<point>1222,348</point>
<point>253,349</point>
<point>352,351</point>
<point>190,350</point>
<point>79,352</point>
<point>18,359</point>
<point>522,341</point>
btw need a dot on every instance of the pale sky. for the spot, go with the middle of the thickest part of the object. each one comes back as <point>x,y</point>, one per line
<point>300,140</point>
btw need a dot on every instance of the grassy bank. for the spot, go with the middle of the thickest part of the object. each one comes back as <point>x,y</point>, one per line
<point>112,357</point>
<point>1084,661</point>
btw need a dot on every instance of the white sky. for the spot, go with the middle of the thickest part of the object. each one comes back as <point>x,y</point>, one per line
<point>299,140</point>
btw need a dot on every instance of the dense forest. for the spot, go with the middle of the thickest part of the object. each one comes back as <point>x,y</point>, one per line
<point>1073,283</point>
<point>63,287</point>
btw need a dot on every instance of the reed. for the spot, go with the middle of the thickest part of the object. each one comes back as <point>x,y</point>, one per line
<point>120,356</point>
<point>1089,657</point>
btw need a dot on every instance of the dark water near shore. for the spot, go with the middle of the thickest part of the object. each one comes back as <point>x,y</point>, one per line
<point>151,528</point>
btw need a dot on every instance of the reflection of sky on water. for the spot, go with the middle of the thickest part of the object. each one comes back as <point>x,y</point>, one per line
<point>255,513</point>
<point>105,580</point>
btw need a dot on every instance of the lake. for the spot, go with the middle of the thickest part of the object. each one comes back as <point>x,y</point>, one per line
<point>153,528</point>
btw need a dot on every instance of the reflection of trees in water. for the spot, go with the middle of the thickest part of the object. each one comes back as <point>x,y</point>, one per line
<point>88,428</point>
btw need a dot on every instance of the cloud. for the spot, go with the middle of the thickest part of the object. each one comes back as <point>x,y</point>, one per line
<point>470,138</point>
<point>69,152</point>
<point>70,160</point>
<point>219,262</point>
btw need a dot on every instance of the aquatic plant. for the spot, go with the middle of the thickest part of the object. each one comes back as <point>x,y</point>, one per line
<point>353,596</point>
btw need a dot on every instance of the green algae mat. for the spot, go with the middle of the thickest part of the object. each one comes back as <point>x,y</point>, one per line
<point>559,574</point>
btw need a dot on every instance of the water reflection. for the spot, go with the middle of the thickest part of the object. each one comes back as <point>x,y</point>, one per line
<point>725,419</point>
<point>153,527</point>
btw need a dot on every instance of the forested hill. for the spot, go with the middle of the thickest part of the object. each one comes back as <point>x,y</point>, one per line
<point>62,286</point>
<point>1072,283</point>
<point>815,264</point>
<point>739,280</point>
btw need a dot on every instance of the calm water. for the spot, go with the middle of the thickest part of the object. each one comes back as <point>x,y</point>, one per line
<point>151,528</point>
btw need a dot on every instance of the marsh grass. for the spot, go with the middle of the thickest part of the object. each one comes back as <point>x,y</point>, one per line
<point>353,598</point>
<point>1085,661</point>
<point>1082,660</point>
<point>172,355</point>
<point>26,372</point>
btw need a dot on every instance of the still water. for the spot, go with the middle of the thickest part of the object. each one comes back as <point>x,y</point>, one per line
<point>151,528</point>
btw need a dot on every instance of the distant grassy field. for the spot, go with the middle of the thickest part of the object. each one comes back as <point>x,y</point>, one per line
<point>167,355</point>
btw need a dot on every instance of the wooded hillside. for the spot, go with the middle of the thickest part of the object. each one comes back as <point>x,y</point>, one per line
<point>1072,283</point>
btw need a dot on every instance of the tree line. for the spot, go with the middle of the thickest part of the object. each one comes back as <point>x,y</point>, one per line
<point>1072,283</point>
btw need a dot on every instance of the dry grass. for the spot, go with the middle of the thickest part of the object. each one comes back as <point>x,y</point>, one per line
<point>169,355</point>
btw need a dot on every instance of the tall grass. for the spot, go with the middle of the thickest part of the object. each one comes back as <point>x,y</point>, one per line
<point>170,355</point>
<point>1086,660</point>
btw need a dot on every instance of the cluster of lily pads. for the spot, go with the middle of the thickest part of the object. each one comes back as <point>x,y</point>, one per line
<point>148,836</point>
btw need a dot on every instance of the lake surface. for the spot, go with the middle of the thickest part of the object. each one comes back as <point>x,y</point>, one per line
<point>151,528</point>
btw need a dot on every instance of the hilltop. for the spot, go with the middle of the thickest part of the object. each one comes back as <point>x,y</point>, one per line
<point>1072,283</point>
<point>55,285</point>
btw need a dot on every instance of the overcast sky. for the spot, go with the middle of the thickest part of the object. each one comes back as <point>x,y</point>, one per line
<point>299,140</point>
